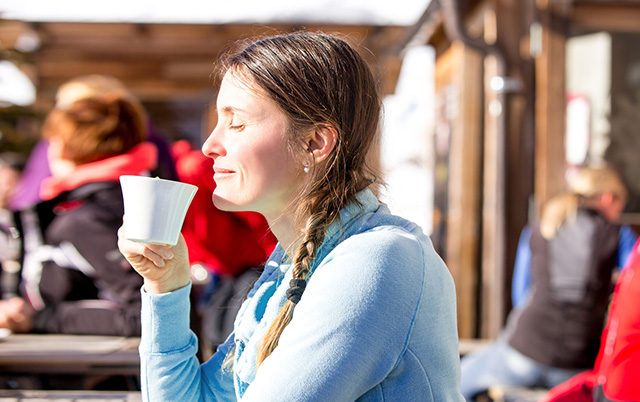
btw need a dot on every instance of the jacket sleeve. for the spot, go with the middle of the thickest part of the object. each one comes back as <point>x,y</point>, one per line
<point>88,287</point>
<point>170,370</point>
<point>578,388</point>
<point>619,361</point>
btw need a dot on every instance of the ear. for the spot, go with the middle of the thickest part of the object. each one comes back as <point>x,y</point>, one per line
<point>607,198</point>
<point>321,142</point>
<point>58,164</point>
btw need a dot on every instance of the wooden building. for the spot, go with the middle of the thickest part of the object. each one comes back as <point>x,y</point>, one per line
<point>502,73</point>
<point>166,65</point>
<point>506,71</point>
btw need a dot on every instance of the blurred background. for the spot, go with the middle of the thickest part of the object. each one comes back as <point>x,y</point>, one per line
<point>489,104</point>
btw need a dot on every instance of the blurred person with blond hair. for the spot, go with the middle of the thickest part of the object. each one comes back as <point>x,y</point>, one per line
<point>73,278</point>
<point>555,334</point>
<point>614,376</point>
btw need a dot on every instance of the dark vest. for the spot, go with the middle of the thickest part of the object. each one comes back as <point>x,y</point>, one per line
<point>561,323</point>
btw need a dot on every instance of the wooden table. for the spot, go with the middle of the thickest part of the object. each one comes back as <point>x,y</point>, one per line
<point>69,354</point>
<point>499,393</point>
<point>69,396</point>
<point>468,345</point>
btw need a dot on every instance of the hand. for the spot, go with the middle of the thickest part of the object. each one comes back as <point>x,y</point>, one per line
<point>164,268</point>
<point>16,315</point>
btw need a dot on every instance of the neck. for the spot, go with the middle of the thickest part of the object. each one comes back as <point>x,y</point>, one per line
<point>285,230</point>
<point>61,167</point>
<point>602,207</point>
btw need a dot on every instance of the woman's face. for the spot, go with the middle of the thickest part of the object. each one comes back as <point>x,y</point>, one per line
<point>615,207</point>
<point>253,169</point>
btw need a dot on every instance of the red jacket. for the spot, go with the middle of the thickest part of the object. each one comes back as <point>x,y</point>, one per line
<point>617,368</point>
<point>227,243</point>
<point>72,272</point>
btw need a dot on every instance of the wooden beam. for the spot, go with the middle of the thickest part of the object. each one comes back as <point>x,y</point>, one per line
<point>607,17</point>
<point>513,20</point>
<point>458,87</point>
<point>10,31</point>
<point>72,68</point>
<point>166,60</point>
<point>550,108</point>
<point>493,206</point>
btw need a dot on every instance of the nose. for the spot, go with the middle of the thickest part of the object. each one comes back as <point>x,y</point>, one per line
<point>212,147</point>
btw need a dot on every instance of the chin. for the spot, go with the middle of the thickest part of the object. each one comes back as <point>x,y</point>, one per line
<point>224,204</point>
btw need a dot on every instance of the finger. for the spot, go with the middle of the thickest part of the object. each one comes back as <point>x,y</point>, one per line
<point>138,254</point>
<point>121,231</point>
<point>4,320</point>
<point>133,246</point>
<point>154,257</point>
<point>164,251</point>
<point>16,302</point>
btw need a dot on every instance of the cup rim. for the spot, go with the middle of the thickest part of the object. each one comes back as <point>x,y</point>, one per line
<point>127,176</point>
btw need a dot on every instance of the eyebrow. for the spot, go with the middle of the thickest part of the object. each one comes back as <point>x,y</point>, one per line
<point>232,109</point>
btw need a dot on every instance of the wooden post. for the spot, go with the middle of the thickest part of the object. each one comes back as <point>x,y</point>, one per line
<point>550,160</point>
<point>459,83</point>
<point>493,206</point>
<point>508,156</point>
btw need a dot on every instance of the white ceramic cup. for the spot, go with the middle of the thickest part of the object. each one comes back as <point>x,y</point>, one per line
<point>155,208</point>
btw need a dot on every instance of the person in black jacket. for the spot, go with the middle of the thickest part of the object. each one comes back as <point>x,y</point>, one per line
<point>555,334</point>
<point>74,280</point>
<point>11,167</point>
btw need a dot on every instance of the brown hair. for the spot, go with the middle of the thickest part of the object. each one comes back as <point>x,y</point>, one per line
<point>318,81</point>
<point>87,86</point>
<point>97,127</point>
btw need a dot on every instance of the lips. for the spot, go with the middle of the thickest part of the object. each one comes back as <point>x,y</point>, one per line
<point>219,173</point>
<point>217,170</point>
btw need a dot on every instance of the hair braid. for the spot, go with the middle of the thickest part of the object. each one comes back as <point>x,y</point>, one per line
<point>314,233</point>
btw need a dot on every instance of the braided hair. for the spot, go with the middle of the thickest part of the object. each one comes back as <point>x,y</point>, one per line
<point>320,82</point>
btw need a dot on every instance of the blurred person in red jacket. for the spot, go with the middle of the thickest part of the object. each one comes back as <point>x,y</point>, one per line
<point>73,280</point>
<point>615,375</point>
<point>27,191</point>
<point>231,246</point>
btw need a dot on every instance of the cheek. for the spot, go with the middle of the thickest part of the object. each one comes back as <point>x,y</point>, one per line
<point>273,165</point>
<point>270,157</point>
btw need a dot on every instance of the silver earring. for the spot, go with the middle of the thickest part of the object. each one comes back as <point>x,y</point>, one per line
<point>306,168</point>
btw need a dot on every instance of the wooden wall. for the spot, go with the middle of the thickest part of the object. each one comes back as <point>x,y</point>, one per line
<point>164,61</point>
<point>168,65</point>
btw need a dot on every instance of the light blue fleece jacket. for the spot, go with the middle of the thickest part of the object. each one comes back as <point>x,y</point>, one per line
<point>377,322</point>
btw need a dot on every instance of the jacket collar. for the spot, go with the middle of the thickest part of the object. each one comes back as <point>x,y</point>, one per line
<point>141,158</point>
<point>352,217</point>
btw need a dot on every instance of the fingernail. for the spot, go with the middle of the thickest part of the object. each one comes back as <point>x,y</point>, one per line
<point>167,254</point>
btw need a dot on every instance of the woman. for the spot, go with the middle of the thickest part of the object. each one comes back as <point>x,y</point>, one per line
<point>74,280</point>
<point>617,368</point>
<point>353,304</point>
<point>555,333</point>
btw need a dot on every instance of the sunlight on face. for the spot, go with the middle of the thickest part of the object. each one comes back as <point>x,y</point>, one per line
<point>253,169</point>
